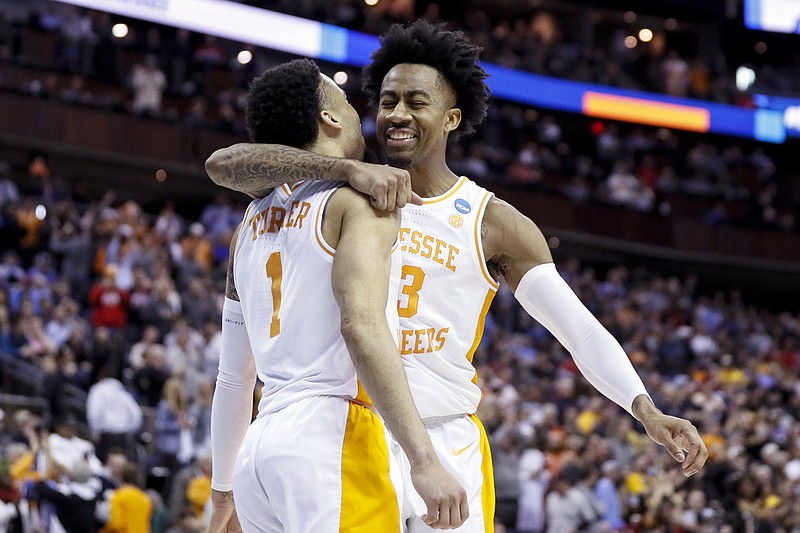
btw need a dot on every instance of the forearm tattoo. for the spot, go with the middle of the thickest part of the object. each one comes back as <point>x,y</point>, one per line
<point>254,168</point>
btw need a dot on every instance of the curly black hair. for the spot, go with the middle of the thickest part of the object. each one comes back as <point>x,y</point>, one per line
<point>449,52</point>
<point>284,103</point>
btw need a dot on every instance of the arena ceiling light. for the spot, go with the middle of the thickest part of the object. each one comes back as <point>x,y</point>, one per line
<point>745,78</point>
<point>119,30</point>
<point>340,77</point>
<point>244,57</point>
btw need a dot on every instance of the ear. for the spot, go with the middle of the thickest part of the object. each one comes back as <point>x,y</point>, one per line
<point>452,119</point>
<point>329,120</point>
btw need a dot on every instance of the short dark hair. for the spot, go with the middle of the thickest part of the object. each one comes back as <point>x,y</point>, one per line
<point>284,103</point>
<point>451,53</point>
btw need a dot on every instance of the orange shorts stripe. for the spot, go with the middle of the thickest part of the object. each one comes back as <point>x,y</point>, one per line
<point>487,495</point>
<point>369,500</point>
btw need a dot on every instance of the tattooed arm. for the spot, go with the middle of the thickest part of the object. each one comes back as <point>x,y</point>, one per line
<point>255,169</point>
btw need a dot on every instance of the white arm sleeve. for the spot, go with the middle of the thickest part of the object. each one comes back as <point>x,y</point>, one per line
<point>546,297</point>
<point>232,407</point>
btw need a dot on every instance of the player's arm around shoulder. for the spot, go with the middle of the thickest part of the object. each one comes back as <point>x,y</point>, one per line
<point>512,243</point>
<point>255,169</point>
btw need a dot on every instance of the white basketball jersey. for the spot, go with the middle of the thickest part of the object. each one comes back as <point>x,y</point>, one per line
<point>283,269</point>
<point>445,293</point>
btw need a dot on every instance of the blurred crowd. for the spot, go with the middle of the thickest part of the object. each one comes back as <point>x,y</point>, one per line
<point>182,76</point>
<point>124,305</point>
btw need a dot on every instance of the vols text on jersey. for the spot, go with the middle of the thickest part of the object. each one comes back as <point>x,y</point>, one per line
<point>273,218</point>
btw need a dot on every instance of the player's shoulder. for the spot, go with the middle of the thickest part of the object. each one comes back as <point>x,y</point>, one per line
<point>506,230</point>
<point>346,200</point>
<point>501,213</point>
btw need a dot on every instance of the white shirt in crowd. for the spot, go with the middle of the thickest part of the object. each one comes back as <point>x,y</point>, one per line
<point>111,409</point>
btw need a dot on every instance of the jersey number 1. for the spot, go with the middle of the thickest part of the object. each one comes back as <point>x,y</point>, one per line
<point>275,273</point>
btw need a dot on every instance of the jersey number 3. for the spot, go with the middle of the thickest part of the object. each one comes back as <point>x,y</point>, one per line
<point>275,273</point>
<point>411,280</point>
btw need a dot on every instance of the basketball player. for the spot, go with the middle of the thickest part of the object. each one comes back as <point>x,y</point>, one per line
<point>427,85</point>
<point>308,280</point>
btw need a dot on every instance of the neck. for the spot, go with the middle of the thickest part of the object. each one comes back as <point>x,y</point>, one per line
<point>324,147</point>
<point>429,182</point>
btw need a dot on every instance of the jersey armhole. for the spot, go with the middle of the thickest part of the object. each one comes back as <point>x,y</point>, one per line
<point>322,244</point>
<point>479,241</point>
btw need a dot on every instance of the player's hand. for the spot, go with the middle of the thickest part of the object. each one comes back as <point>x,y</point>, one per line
<point>387,187</point>
<point>223,514</point>
<point>677,435</point>
<point>443,495</point>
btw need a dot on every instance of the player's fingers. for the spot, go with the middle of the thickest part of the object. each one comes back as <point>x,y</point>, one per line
<point>410,195</point>
<point>403,193</point>
<point>695,459</point>
<point>431,516</point>
<point>445,520</point>
<point>378,203</point>
<point>391,199</point>
<point>464,507</point>
<point>674,449</point>
<point>455,515</point>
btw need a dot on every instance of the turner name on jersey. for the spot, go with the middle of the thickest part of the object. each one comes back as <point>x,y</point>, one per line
<point>272,219</point>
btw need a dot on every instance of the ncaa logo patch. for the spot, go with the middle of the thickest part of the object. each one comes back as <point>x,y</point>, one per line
<point>462,206</point>
<point>456,221</point>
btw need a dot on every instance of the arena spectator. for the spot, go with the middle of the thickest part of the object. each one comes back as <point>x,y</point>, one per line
<point>72,243</point>
<point>148,83</point>
<point>109,303</point>
<point>173,429</point>
<point>74,499</point>
<point>114,417</point>
<point>130,506</point>
<point>149,380</point>
<point>67,449</point>
<point>136,355</point>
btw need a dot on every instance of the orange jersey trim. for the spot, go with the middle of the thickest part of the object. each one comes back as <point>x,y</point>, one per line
<point>327,248</point>
<point>461,181</point>
<point>479,328</point>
